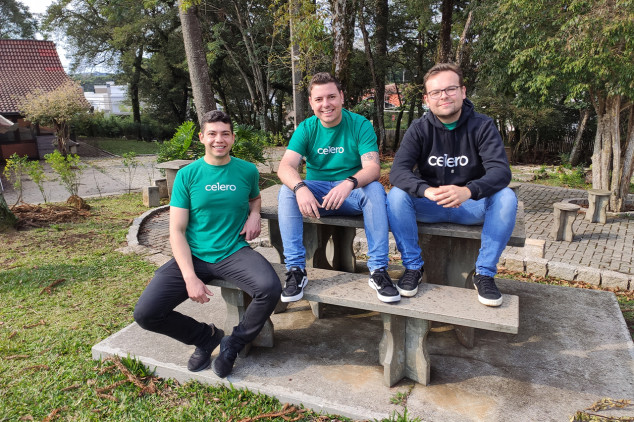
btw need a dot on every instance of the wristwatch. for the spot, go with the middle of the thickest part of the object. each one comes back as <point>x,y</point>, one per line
<point>354,181</point>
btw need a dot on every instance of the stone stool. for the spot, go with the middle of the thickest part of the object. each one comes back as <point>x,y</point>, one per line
<point>515,187</point>
<point>564,216</point>
<point>598,200</point>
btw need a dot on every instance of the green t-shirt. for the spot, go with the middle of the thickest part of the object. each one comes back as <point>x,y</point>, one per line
<point>333,153</point>
<point>217,198</point>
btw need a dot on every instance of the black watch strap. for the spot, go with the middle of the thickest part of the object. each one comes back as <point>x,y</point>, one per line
<point>298,186</point>
<point>353,180</point>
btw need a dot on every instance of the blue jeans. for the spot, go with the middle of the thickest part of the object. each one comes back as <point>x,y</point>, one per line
<point>368,200</point>
<point>496,213</point>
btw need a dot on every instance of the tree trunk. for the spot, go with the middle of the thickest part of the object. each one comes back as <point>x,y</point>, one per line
<point>299,98</point>
<point>463,38</point>
<point>628,163</point>
<point>444,44</point>
<point>377,64</point>
<point>344,13</point>
<point>196,61</point>
<point>134,90</point>
<point>606,158</point>
<point>7,218</point>
<point>576,146</point>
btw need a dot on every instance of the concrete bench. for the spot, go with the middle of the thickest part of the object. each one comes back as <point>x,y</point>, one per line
<point>564,215</point>
<point>171,168</point>
<point>598,200</point>
<point>449,250</point>
<point>403,347</point>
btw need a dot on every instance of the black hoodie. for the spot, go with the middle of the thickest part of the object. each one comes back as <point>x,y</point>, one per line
<point>471,155</point>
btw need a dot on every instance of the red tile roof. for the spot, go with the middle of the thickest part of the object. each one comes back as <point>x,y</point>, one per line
<point>26,65</point>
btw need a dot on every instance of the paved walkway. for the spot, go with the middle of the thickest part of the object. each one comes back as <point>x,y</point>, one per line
<point>607,249</point>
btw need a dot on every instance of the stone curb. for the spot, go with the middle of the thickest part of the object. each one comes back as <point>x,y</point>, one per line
<point>513,262</point>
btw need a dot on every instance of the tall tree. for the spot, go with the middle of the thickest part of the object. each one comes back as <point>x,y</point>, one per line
<point>344,13</point>
<point>196,60</point>
<point>17,20</point>
<point>588,48</point>
<point>377,61</point>
<point>445,45</point>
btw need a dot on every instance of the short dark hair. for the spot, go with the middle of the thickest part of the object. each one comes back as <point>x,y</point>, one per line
<point>216,116</point>
<point>443,67</point>
<point>323,78</point>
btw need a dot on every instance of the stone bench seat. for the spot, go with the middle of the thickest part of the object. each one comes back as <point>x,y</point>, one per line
<point>403,347</point>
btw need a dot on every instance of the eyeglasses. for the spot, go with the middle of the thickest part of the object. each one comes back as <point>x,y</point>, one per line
<point>451,91</point>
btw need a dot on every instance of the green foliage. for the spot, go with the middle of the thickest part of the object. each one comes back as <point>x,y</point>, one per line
<point>365,108</point>
<point>398,417</point>
<point>14,171</point>
<point>36,173</point>
<point>250,143</point>
<point>182,146</point>
<point>130,163</point>
<point>17,21</point>
<point>56,107</point>
<point>98,125</point>
<point>573,179</point>
<point>68,168</point>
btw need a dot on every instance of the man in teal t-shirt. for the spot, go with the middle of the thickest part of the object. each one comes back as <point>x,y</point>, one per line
<point>214,211</point>
<point>342,173</point>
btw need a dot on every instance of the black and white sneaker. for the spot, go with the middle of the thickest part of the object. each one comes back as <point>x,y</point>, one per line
<point>488,293</point>
<point>381,282</point>
<point>408,284</point>
<point>293,289</point>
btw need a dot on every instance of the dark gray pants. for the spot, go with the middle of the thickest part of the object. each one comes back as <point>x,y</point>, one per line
<point>249,270</point>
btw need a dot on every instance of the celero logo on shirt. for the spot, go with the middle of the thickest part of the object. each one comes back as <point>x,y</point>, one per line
<point>445,161</point>
<point>219,187</point>
<point>330,150</point>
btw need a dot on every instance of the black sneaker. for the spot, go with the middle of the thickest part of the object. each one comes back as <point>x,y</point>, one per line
<point>223,364</point>
<point>381,282</point>
<point>201,358</point>
<point>293,289</point>
<point>408,284</point>
<point>488,293</point>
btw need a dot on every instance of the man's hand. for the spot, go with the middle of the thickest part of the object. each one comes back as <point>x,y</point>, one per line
<point>337,195</point>
<point>252,227</point>
<point>307,203</point>
<point>197,290</point>
<point>449,196</point>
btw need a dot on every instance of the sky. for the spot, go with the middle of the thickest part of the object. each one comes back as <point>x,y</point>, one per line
<point>39,7</point>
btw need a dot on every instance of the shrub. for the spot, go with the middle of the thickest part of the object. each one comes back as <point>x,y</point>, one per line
<point>14,171</point>
<point>68,168</point>
<point>182,146</point>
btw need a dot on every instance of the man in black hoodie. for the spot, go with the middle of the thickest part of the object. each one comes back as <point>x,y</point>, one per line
<point>451,167</point>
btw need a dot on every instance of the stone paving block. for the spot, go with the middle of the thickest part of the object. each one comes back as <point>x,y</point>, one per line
<point>534,248</point>
<point>614,279</point>
<point>514,263</point>
<point>562,270</point>
<point>162,185</point>
<point>589,275</point>
<point>537,266</point>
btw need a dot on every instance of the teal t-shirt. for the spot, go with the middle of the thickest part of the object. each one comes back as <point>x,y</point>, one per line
<point>217,198</point>
<point>450,126</point>
<point>334,153</point>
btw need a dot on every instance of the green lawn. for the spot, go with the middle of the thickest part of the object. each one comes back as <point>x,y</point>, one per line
<point>64,288</point>
<point>120,146</point>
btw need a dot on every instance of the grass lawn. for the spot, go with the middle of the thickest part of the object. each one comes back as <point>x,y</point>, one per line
<point>120,146</point>
<point>64,288</point>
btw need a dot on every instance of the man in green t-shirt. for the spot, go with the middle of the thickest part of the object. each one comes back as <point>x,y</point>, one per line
<point>342,173</point>
<point>214,211</point>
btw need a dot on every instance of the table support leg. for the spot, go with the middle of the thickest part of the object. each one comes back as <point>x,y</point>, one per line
<point>451,261</point>
<point>403,351</point>
<point>237,302</point>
